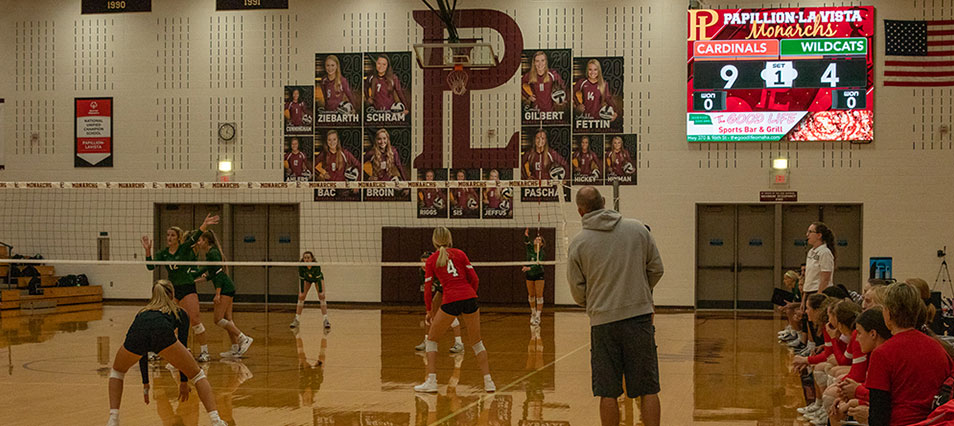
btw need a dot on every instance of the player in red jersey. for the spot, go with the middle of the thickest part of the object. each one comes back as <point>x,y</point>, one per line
<point>430,198</point>
<point>618,161</point>
<point>593,93</point>
<point>542,84</point>
<point>335,88</point>
<point>383,162</point>
<point>384,88</point>
<point>296,163</point>
<point>334,161</point>
<point>453,269</point>
<point>295,109</point>
<point>543,162</point>
<point>586,162</point>
<point>464,198</point>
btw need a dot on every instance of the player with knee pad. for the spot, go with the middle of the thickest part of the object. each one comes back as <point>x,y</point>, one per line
<point>436,301</point>
<point>161,327</point>
<point>309,276</point>
<point>453,269</point>
<point>208,249</point>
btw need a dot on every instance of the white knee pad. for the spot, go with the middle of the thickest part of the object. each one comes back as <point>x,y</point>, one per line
<point>198,328</point>
<point>539,301</point>
<point>820,378</point>
<point>430,346</point>
<point>222,323</point>
<point>198,377</point>
<point>114,374</point>
<point>479,347</point>
<point>456,323</point>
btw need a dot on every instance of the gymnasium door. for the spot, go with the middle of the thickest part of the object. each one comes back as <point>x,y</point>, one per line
<point>265,233</point>
<point>735,256</point>
<point>845,221</point>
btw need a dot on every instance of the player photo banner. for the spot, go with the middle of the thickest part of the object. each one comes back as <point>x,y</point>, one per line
<point>620,159</point>
<point>93,132</point>
<point>387,89</point>
<point>543,156</point>
<point>432,201</point>
<point>337,153</point>
<point>587,160</point>
<point>338,82</point>
<point>544,88</point>
<point>497,201</point>
<point>598,95</point>
<point>465,199</point>
<point>298,110</point>
<point>797,74</point>
<point>298,159</point>
<point>387,157</point>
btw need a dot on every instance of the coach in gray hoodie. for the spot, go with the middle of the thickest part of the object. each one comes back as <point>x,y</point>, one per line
<point>612,268</point>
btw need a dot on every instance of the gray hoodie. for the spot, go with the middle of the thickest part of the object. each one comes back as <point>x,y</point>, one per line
<point>613,266</point>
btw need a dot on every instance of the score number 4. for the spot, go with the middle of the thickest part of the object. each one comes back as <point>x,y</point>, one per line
<point>778,74</point>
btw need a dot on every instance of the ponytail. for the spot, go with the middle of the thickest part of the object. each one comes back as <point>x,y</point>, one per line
<point>828,237</point>
<point>162,299</point>
<point>442,239</point>
<point>442,257</point>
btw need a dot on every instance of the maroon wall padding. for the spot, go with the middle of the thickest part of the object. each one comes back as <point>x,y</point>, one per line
<point>498,284</point>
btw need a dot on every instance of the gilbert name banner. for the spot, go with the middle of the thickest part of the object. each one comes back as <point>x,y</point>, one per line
<point>94,132</point>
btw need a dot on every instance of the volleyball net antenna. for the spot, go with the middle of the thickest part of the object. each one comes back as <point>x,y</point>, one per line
<point>83,226</point>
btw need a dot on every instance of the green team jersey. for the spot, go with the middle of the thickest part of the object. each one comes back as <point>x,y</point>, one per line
<point>215,273</point>
<point>178,274</point>
<point>312,274</point>
<point>534,256</point>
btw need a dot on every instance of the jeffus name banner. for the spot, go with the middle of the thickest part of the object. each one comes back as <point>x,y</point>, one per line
<point>93,132</point>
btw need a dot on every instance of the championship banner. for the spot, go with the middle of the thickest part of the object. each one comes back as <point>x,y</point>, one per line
<point>796,74</point>
<point>598,95</point>
<point>298,110</point>
<point>336,160</point>
<point>93,132</point>
<point>465,199</point>
<point>431,202</point>
<point>587,160</point>
<point>298,158</point>
<point>387,158</point>
<point>338,82</point>
<point>543,154</point>
<point>387,89</point>
<point>497,201</point>
<point>621,159</point>
<point>544,88</point>
<point>115,6</point>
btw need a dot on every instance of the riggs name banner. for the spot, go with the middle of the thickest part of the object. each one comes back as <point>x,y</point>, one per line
<point>796,74</point>
<point>497,202</point>
<point>545,94</point>
<point>336,160</point>
<point>387,89</point>
<point>431,201</point>
<point>93,132</point>
<point>338,89</point>
<point>299,110</point>
<point>387,157</point>
<point>621,159</point>
<point>465,200</point>
<point>598,95</point>
<point>543,154</point>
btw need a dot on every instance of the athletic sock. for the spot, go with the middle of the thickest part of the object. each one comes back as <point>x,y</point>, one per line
<point>297,317</point>
<point>431,378</point>
<point>113,412</point>
<point>458,341</point>
<point>214,416</point>
<point>325,317</point>
<point>204,349</point>
<point>242,336</point>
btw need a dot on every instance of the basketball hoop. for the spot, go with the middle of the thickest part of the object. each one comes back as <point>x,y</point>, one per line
<point>457,80</point>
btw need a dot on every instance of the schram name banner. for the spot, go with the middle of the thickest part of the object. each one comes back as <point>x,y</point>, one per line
<point>93,131</point>
<point>796,74</point>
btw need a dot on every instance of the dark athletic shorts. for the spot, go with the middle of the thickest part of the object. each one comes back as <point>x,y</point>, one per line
<point>466,306</point>
<point>534,276</point>
<point>150,332</point>
<point>183,290</point>
<point>229,294</point>
<point>319,284</point>
<point>625,348</point>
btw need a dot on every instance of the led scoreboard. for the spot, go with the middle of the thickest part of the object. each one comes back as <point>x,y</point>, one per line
<point>796,74</point>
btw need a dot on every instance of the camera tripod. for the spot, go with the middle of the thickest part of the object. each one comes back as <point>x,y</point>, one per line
<point>943,274</point>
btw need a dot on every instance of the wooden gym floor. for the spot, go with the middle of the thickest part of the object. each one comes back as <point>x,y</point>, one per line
<point>716,369</point>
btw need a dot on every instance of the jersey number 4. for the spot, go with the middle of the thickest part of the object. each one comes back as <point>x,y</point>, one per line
<point>451,269</point>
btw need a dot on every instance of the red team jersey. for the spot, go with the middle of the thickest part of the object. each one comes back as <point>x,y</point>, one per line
<point>296,110</point>
<point>386,92</point>
<point>593,98</point>
<point>534,164</point>
<point>428,196</point>
<point>335,165</point>
<point>458,277</point>
<point>615,161</point>
<point>384,171</point>
<point>543,90</point>
<point>334,97</point>
<point>585,163</point>
<point>910,366</point>
<point>859,360</point>
<point>296,163</point>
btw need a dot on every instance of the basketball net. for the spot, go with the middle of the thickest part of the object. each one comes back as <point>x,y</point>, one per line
<point>457,80</point>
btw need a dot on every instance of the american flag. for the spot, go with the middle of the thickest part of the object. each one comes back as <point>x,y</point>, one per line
<point>919,53</point>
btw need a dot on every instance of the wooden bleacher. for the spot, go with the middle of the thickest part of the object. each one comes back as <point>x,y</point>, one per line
<point>18,301</point>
